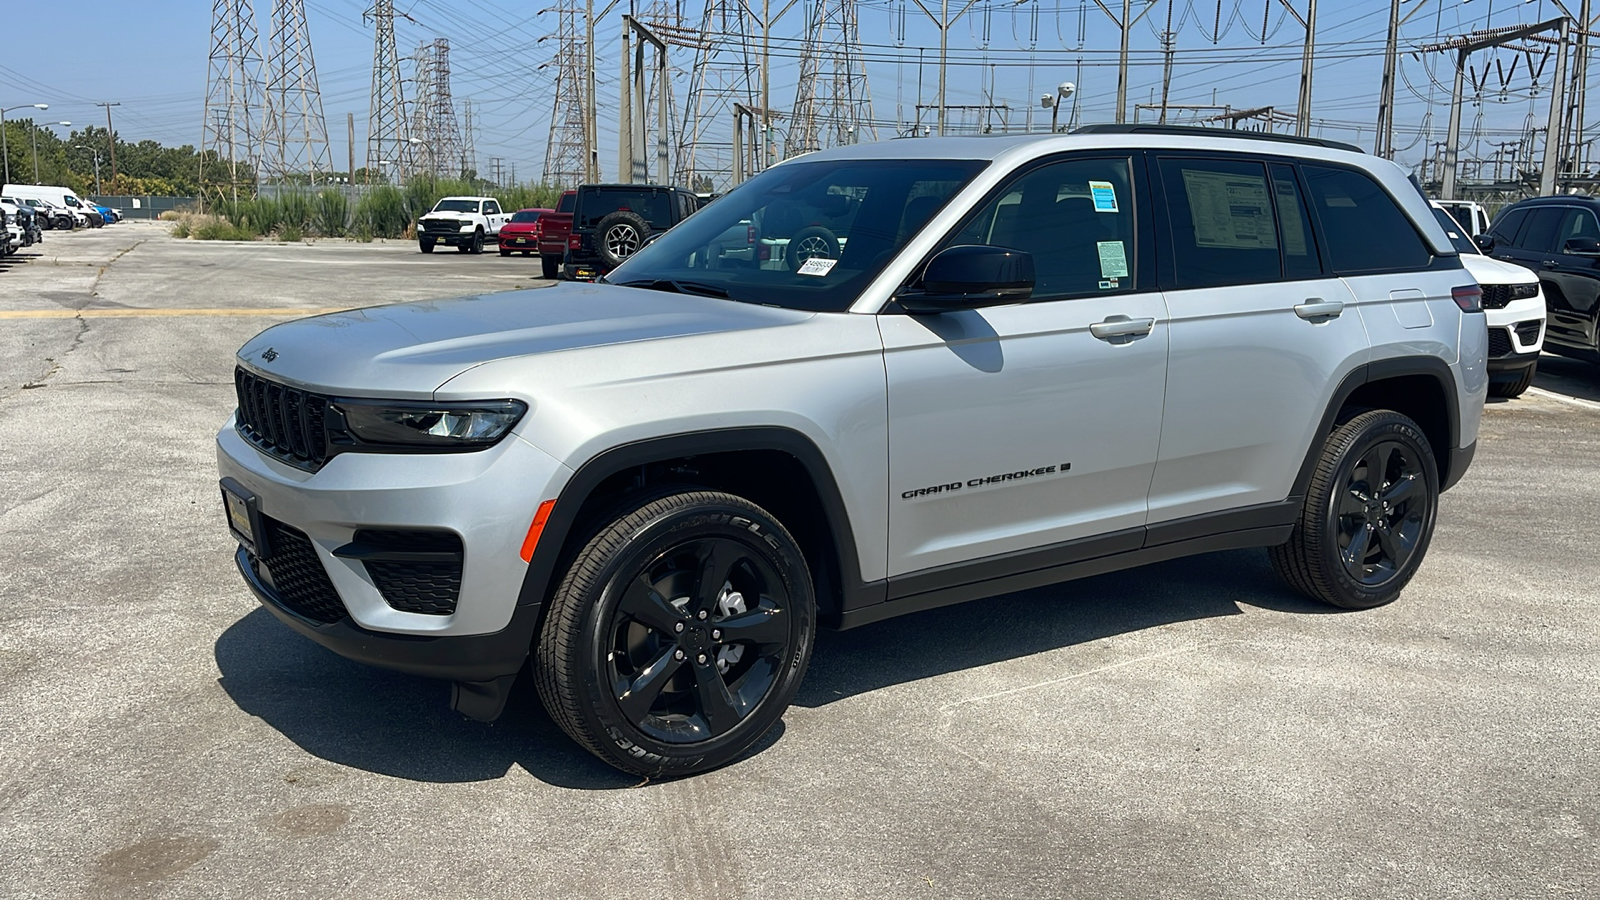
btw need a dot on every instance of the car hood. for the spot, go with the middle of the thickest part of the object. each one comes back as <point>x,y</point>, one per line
<point>447,215</point>
<point>1488,270</point>
<point>408,350</point>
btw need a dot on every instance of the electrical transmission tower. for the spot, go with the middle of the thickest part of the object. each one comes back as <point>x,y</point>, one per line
<point>469,143</point>
<point>422,108</point>
<point>726,73</point>
<point>296,133</point>
<point>832,104</point>
<point>565,150</point>
<point>388,147</point>
<point>233,83</point>
<point>444,131</point>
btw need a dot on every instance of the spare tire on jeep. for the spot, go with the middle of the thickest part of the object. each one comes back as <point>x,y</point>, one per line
<point>618,236</point>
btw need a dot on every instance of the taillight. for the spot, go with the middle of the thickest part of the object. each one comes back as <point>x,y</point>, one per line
<point>1469,297</point>
<point>750,234</point>
<point>574,242</point>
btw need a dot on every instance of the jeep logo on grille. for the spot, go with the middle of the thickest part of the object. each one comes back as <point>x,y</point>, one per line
<point>268,355</point>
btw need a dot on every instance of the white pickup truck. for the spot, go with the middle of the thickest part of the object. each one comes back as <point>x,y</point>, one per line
<point>461,222</point>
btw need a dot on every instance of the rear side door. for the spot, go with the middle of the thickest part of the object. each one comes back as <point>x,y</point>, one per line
<point>1261,332</point>
<point>1026,435</point>
<point>1571,268</point>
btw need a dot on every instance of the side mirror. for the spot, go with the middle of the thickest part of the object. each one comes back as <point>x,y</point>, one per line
<point>969,276</point>
<point>1485,243</point>
<point>1581,246</point>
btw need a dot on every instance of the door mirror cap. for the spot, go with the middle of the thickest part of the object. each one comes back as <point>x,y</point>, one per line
<point>970,276</point>
<point>1581,246</point>
<point>1485,242</point>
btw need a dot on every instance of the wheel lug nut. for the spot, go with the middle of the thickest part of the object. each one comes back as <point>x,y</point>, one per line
<point>716,634</point>
<point>678,655</point>
<point>701,659</point>
<point>702,614</point>
<point>678,628</point>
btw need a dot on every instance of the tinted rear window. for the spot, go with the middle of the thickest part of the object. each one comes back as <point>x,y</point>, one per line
<point>595,204</point>
<point>1223,227</point>
<point>1364,228</point>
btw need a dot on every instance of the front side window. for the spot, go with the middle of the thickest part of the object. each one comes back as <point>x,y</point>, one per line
<point>1544,224</point>
<point>1365,230</point>
<point>802,235</point>
<point>1224,230</point>
<point>1504,231</point>
<point>1577,224</point>
<point>491,208</point>
<point>1075,217</point>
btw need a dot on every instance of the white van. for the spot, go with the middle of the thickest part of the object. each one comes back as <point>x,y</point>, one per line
<point>55,196</point>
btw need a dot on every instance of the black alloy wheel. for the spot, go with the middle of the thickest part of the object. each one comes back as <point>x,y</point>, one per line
<point>477,241</point>
<point>1368,515</point>
<point>680,634</point>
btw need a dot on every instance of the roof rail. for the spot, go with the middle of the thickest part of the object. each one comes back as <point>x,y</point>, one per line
<point>1195,131</point>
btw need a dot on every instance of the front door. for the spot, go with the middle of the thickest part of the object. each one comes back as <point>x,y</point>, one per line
<point>1024,426</point>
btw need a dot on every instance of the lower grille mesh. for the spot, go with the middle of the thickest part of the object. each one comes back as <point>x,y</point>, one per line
<point>297,575</point>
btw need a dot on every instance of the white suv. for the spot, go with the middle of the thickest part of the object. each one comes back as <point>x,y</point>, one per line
<point>1005,362</point>
<point>1513,309</point>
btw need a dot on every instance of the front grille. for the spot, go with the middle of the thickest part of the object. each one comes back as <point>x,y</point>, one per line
<point>434,226</point>
<point>283,421</point>
<point>1499,343</point>
<point>426,586</point>
<point>1528,332</point>
<point>297,575</point>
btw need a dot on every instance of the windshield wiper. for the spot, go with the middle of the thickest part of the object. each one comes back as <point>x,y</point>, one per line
<point>679,287</point>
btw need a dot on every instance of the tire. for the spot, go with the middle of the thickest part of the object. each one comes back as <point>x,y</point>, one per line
<point>619,235</point>
<point>1393,522</point>
<point>1512,389</point>
<point>504,252</point>
<point>630,611</point>
<point>426,246</point>
<point>810,243</point>
<point>526,254</point>
<point>551,266</point>
<point>477,242</point>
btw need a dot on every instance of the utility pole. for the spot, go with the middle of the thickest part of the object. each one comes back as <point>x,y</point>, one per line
<point>111,136</point>
<point>591,132</point>
<point>1383,140</point>
<point>1302,118</point>
<point>1125,26</point>
<point>943,21</point>
<point>350,120</point>
<point>1169,43</point>
<point>1558,102</point>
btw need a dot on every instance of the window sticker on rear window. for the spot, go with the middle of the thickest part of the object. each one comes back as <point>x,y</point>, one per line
<point>1113,259</point>
<point>1105,196</point>
<point>817,266</point>
<point>1230,211</point>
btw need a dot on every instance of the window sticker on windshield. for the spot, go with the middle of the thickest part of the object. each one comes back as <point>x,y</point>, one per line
<point>1105,196</point>
<point>817,266</point>
<point>1113,259</point>
<point>1110,284</point>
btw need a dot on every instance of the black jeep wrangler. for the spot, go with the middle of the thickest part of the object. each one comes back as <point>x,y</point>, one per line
<point>612,221</point>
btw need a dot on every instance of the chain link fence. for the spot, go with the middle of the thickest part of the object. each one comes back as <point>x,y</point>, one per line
<point>146,207</point>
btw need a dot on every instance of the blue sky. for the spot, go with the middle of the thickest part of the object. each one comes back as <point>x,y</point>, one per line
<point>151,57</point>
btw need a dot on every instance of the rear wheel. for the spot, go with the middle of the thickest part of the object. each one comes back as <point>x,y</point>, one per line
<point>551,266</point>
<point>1368,515</point>
<point>1510,389</point>
<point>679,635</point>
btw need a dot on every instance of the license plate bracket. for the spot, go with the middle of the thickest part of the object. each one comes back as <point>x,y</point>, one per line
<point>243,511</point>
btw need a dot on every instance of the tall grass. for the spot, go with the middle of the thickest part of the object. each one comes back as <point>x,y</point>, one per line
<point>331,213</point>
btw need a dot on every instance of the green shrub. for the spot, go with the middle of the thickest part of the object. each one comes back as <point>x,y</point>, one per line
<point>290,233</point>
<point>331,213</point>
<point>295,209</point>
<point>220,230</point>
<point>180,229</point>
<point>382,213</point>
<point>260,216</point>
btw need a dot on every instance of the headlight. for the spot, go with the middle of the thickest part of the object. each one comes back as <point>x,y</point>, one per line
<point>1524,291</point>
<point>423,425</point>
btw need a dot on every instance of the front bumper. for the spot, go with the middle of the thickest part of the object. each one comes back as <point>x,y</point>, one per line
<point>446,238</point>
<point>488,498</point>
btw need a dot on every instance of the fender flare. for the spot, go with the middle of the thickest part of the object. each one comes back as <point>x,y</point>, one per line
<point>542,573</point>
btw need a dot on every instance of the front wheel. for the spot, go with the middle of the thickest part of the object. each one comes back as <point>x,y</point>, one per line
<point>477,241</point>
<point>504,252</point>
<point>679,635</point>
<point>425,245</point>
<point>1511,389</point>
<point>1368,516</point>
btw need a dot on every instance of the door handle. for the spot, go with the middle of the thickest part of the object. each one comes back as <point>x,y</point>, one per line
<point>1121,326</point>
<point>1550,264</point>
<point>1318,308</point>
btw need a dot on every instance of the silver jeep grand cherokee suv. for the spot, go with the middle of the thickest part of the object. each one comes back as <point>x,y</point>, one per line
<point>869,381</point>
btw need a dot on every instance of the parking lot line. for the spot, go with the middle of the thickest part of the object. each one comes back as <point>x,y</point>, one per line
<point>1575,401</point>
<point>165,313</point>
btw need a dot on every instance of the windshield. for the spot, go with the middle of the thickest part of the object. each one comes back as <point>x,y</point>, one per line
<point>1452,228</point>
<point>801,235</point>
<point>466,206</point>
<point>525,216</point>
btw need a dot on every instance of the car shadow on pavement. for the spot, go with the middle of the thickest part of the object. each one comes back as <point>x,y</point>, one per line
<point>1578,378</point>
<point>400,725</point>
<point>1011,626</point>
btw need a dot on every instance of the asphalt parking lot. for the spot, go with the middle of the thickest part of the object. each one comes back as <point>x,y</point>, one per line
<point>1189,730</point>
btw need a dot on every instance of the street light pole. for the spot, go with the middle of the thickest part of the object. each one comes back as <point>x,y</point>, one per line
<point>5,150</point>
<point>34,133</point>
<point>96,154</point>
